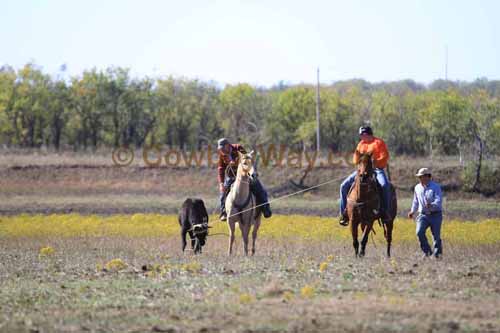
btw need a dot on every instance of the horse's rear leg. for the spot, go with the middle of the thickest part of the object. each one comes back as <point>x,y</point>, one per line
<point>364,240</point>
<point>231,226</point>
<point>354,232</point>
<point>388,235</point>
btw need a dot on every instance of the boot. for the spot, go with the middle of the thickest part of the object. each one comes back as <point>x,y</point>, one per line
<point>266,210</point>
<point>344,219</point>
<point>223,214</point>
<point>261,196</point>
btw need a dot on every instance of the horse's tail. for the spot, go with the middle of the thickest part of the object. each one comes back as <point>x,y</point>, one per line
<point>384,226</point>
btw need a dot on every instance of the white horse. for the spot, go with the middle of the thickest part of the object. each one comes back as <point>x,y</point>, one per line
<point>240,204</point>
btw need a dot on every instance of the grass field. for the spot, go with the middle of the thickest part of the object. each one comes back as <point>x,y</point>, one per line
<point>127,273</point>
<point>87,246</point>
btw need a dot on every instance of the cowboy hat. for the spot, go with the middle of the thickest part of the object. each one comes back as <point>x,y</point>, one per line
<point>222,142</point>
<point>423,172</point>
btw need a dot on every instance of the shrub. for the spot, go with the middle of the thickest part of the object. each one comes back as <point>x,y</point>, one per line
<point>489,178</point>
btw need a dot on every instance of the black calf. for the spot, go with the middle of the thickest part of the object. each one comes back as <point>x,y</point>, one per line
<point>193,219</point>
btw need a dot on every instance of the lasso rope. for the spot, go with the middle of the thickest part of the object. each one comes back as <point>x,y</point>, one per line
<point>288,195</point>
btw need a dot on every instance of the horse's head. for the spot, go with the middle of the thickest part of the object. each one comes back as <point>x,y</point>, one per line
<point>365,165</point>
<point>246,167</point>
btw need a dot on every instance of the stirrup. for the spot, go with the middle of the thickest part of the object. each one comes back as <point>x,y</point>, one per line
<point>223,216</point>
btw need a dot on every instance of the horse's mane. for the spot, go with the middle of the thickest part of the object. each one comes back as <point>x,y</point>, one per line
<point>364,158</point>
<point>365,161</point>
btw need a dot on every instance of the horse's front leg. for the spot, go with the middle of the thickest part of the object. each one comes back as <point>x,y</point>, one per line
<point>231,226</point>
<point>364,240</point>
<point>354,232</point>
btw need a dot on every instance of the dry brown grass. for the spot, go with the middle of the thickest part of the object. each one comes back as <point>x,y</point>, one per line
<point>160,289</point>
<point>70,291</point>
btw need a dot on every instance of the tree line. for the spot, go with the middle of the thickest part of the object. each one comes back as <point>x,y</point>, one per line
<point>112,108</point>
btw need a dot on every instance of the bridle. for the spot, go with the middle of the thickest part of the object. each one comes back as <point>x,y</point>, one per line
<point>365,177</point>
<point>249,197</point>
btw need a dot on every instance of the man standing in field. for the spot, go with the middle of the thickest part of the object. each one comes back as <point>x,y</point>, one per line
<point>380,156</point>
<point>427,201</point>
<point>228,160</point>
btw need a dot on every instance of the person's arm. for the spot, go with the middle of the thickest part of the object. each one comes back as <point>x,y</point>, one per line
<point>355,156</point>
<point>221,168</point>
<point>437,202</point>
<point>382,154</point>
<point>414,205</point>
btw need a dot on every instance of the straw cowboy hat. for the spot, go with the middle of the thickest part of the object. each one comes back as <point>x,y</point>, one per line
<point>423,172</point>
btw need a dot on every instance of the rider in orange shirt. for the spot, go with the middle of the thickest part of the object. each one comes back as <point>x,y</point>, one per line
<point>380,155</point>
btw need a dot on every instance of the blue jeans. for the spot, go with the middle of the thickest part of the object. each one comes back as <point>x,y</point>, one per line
<point>381,179</point>
<point>228,181</point>
<point>433,221</point>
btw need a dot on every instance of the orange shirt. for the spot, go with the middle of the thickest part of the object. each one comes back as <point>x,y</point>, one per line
<point>377,148</point>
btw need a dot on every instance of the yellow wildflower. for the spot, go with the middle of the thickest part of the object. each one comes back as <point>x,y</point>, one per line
<point>46,251</point>
<point>246,298</point>
<point>287,295</point>
<point>192,267</point>
<point>307,291</point>
<point>115,265</point>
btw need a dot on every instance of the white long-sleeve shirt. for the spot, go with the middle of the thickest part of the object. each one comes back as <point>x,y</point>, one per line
<point>423,195</point>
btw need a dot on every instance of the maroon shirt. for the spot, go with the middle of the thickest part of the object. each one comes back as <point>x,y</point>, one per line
<point>225,159</point>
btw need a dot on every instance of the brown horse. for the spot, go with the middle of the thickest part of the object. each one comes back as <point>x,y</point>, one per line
<point>363,204</point>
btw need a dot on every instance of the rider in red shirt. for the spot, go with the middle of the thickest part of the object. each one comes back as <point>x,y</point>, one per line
<point>228,161</point>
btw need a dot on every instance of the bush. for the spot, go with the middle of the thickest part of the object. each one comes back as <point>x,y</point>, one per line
<point>489,178</point>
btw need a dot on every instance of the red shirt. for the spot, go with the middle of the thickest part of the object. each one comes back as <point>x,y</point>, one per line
<point>224,160</point>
